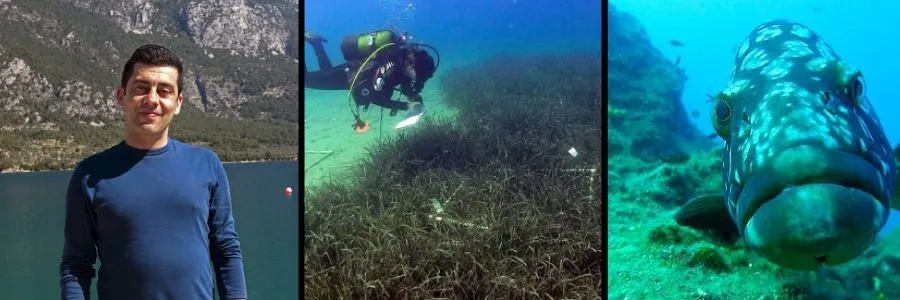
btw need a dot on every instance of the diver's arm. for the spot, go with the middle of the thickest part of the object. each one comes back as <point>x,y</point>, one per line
<point>415,98</point>
<point>407,90</point>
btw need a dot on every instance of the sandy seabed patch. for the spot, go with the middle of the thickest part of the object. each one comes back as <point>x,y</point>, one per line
<point>332,148</point>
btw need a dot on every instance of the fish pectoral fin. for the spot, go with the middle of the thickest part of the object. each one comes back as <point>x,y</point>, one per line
<point>700,210</point>
<point>707,213</point>
<point>895,198</point>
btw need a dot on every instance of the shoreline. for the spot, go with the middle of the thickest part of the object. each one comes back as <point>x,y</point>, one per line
<point>19,170</point>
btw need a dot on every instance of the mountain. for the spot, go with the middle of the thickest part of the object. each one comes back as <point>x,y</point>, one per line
<point>61,61</point>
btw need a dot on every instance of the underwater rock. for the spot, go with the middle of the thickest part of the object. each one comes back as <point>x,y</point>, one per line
<point>645,100</point>
<point>673,234</point>
<point>710,258</point>
<point>671,184</point>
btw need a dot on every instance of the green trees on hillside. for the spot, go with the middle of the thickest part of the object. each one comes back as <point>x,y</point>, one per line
<point>95,53</point>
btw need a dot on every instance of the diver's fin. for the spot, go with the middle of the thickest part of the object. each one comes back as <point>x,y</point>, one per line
<point>707,213</point>
<point>313,37</point>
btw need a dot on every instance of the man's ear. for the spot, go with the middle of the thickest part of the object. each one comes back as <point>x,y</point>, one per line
<point>120,96</point>
<point>178,103</point>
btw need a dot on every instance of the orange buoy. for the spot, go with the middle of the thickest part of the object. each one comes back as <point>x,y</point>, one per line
<point>288,191</point>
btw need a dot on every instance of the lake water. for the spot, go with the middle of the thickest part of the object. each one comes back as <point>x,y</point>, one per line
<point>31,230</point>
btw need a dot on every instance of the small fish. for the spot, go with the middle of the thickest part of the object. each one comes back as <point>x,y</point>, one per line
<point>808,174</point>
<point>676,43</point>
<point>676,157</point>
<point>695,113</point>
<point>677,61</point>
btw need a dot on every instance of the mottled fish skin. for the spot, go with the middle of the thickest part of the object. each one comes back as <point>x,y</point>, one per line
<point>778,91</point>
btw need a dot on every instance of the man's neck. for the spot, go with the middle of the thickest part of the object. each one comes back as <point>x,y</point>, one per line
<point>147,142</point>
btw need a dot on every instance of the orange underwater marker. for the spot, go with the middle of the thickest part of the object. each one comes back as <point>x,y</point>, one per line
<point>288,191</point>
<point>361,126</point>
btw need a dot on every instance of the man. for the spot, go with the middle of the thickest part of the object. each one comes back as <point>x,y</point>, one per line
<point>399,63</point>
<point>155,210</point>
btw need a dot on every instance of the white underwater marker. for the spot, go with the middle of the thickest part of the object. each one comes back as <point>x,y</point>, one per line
<point>438,209</point>
<point>412,117</point>
<point>573,152</point>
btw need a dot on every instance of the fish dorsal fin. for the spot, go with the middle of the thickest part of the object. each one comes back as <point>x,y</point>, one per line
<point>707,213</point>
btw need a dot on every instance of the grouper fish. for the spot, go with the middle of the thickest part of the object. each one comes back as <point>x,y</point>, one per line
<point>807,170</point>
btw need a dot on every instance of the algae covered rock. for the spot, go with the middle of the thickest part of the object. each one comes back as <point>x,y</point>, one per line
<point>673,234</point>
<point>647,117</point>
<point>710,258</point>
<point>668,184</point>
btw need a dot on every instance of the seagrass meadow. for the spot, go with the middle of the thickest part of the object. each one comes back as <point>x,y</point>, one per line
<point>487,205</point>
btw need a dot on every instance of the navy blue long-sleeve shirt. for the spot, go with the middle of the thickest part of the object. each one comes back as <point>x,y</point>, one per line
<point>156,219</point>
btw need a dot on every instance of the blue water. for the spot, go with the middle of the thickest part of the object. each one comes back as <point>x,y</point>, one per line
<point>862,32</point>
<point>267,221</point>
<point>463,31</point>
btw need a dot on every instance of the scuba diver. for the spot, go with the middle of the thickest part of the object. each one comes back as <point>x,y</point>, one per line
<point>376,63</point>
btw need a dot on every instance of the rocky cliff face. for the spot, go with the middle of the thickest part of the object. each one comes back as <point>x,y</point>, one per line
<point>61,61</point>
<point>134,16</point>
<point>248,28</point>
<point>245,28</point>
<point>226,35</point>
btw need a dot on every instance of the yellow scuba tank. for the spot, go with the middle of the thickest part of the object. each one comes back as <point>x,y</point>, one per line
<point>359,47</point>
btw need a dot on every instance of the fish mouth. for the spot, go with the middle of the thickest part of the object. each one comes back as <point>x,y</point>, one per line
<point>806,165</point>
<point>812,206</point>
<point>813,225</point>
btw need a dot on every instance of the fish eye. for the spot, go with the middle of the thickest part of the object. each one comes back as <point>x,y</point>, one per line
<point>723,112</point>
<point>721,116</point>
<point>859,88</point>
<point>856,88</point>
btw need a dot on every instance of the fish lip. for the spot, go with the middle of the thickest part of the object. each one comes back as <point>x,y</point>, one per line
<point>846,169</point>
<point>836,250</point>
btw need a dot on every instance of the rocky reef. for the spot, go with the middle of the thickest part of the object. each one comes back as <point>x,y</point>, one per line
<point>645,94</point>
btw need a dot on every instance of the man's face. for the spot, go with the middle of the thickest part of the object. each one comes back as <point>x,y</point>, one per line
<point>150,99</point>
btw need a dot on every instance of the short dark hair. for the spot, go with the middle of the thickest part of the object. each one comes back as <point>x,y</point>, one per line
<point>154,55</point>
<point>424,64</point>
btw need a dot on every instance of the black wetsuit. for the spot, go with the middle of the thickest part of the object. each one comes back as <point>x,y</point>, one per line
<point>387,65</point>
